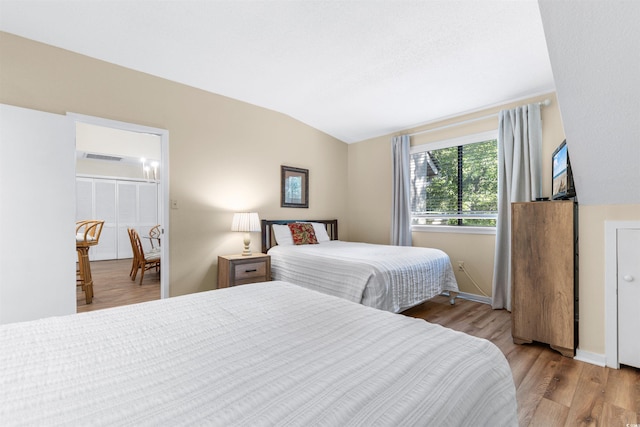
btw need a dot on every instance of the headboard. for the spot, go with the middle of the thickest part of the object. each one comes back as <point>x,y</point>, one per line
<point>268,239</point>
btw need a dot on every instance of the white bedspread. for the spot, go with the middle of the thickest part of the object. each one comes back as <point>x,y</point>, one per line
<point>256,355</point>
<point>392,278</point>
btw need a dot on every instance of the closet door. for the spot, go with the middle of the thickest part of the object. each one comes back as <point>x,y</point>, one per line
<point>127,211</point>
<point>122,205</point>
<point>147,210</point>
<point>628,296</point>
<point>95,199</point>
<point>84,199</point>
<point>105,209</point>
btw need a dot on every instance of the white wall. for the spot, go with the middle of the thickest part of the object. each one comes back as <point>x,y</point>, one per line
<point>594,51</point>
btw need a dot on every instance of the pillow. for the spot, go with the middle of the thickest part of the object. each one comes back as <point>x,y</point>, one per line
<point>302,233</point>
<point>81,238</point>
<point>321,232</point>
<point>282,234</point>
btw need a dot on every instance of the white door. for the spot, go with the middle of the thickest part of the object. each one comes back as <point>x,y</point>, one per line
<point>127,215</point>
<point>84,199</point>
<point>629,297</point>
<point>37,215</point>
<point>121,204</point>
<point>147,210</point>
<point>105,209</point>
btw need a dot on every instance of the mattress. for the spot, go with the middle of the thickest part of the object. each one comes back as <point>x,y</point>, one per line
<point>265,354</point>
<point>391,278</point>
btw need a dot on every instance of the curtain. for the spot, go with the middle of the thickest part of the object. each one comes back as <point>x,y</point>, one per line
<point>401,209</point>
<point>519,146</point>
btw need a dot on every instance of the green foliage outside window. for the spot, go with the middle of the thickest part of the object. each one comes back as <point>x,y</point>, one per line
<point>456,185</point>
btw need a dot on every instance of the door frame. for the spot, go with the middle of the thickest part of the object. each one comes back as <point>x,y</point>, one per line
<point>163,195</point>
<point>611,288</point>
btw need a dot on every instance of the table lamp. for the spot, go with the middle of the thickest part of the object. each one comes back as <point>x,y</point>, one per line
<point>246,222</point>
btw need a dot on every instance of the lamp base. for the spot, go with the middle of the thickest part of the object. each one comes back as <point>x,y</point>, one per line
<point>247,244</point>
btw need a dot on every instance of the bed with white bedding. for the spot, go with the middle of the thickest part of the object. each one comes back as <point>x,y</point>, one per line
<point>265,354</point>
<point>391,278</point>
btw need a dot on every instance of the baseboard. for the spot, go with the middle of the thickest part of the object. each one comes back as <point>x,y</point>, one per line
<point>592,358</point>
<point>473,297</point>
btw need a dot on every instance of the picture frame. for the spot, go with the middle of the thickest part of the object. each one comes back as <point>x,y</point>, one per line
<point>294,192</point>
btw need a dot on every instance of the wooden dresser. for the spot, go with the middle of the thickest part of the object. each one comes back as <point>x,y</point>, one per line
<point>544,265</point>
<point>236,270</point>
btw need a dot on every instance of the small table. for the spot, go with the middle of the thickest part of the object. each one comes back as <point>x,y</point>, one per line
<point>236,270</point>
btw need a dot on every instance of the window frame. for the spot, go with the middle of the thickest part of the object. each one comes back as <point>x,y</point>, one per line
<point>447,143</point>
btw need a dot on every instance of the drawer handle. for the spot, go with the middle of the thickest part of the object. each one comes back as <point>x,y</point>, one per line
<point>251,271</point>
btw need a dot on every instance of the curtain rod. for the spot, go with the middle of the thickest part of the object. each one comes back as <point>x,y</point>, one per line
<point>544,103</point>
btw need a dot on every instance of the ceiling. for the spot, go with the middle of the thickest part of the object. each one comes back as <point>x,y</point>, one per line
<point>352,69</point>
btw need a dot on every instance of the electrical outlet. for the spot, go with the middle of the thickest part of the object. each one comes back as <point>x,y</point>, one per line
<point>460,265</point>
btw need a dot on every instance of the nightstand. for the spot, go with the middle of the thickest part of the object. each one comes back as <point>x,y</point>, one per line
<point>240,270</point>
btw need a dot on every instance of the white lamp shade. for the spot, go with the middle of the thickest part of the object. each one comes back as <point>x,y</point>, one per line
<point>245,221</point>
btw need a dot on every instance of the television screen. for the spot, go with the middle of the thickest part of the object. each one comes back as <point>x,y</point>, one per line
<point>562,177</point>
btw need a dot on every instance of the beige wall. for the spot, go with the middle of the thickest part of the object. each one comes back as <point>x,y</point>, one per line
<point>370,191</point>
<point>370,215</point>
<point>475,250</point>
<point>224,155</point>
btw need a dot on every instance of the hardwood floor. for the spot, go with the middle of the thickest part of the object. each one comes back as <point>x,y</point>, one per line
<point>113,287</point>
<point>552,390</point>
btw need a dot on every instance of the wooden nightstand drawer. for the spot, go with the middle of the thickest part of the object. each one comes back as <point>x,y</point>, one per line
<point>251,270</point>
<point>236,270</point>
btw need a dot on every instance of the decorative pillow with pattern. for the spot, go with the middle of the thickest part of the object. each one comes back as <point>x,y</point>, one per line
<point>302,233</point>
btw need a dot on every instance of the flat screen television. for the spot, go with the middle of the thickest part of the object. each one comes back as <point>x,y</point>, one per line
<point>562,179</point>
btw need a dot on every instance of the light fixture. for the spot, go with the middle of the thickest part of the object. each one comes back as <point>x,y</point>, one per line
<point>154,165</point>
<point>246,222</point>
<point>149,172</point>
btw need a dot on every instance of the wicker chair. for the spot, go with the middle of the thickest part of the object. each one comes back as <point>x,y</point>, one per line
<point>154,235</point>
<point>134,250</point>
<point>143,261</point>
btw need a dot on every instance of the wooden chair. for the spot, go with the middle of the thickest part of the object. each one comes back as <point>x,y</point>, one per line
<point>144,261</point>
<point>134,250</point>
<point>87,235</point>
<point>89,231</point>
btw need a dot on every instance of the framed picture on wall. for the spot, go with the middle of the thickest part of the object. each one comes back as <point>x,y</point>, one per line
<point>294,191</point>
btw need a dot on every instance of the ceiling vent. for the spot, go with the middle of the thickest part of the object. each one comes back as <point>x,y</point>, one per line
<point>102,157</point>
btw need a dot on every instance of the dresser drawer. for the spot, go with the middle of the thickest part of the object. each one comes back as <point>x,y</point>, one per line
<point>253,270</point>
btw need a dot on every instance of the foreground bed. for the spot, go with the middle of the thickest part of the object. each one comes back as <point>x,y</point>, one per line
<point>263,354</point>
<point>391,278</point>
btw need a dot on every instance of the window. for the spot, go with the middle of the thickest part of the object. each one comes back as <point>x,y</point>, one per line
<point>455,182</point>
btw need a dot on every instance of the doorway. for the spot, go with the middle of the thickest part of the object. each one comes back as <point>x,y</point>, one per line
<point>130,144</point>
